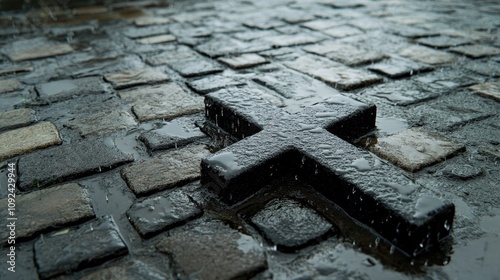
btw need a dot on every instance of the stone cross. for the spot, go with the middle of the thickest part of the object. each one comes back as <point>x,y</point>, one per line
<point>310,146</point>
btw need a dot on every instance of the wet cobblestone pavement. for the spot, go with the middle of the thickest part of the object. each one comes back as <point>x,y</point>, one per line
<point>286,139</point>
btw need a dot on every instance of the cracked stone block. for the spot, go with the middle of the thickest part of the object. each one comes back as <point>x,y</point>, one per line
<point>344,53</point>
<point>166,101</point>
<point>398,68</point>
<point>223,45</point>
<point>243,61</point>
<point>213,83</point>
<point>50,208</point>
<point>342,31</point>
<point>321,24</point>
<point>146,21</point>
<point>289,225</point>
<point>476,51</point>
<point>10,85</point>
<point>16,118</point>
<point>177,54</point>
<point>24,140</point>
<point>489,90</point>
<point>148,31</point>
<point>442,41</point>
<point>103,122</point>
<point>490,68</point>
<point>87,245</point>
<point>154,215</point>
<point>166,171</point>
<point>413,149</point>
<point>308,144</point>
<point>174,134</point>
<point>158,39</point>
<point>334,74</point>
<point>66,162</point>
<point>36,49</point>
<point>427,55</point>
<point>214,255</point>
<point>131,269</point>
<point>193,68</point>
<point>135,77</point>
<point>66,89</point>
<point>290,40</point>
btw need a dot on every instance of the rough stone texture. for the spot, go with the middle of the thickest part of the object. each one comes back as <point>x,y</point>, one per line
<point>342,31</point>
<point>177,54</point>
<point>145,21</point>
<point>213,256</point>
<point>321,24</point>
<point>489,69</point>
<point>414,149</point>
<point>192,68</point>
<point>442,41</point>
<point>136,77</point>
<point>344,53</point>
<point>10,85</point>
<point>48,209</point>
<point>65,89</point>
<point>462,171</point>
<point>103,122</point>
<point>427,55</point>
<point>174,134</point>
<point>42,52</point>
<point>476,51</point>
<point>160,213</point>
<point>243,61</point>
<point>16,118</point>
<point>158,39</point>
<point>14,69</point>
<point>213,83</point>
<point>166,171</point>
<point>289,224</point>
<point>397,68</point>
<point>129,270</point>
<point>161,102</point>
<point>67,162</point>
<point>401,93</point>
<point>490,90</point>
<point>222,45</point>
<point>23,140</point>
<point>87,245</point>
<point>334,74</point>
<point>290,40</point>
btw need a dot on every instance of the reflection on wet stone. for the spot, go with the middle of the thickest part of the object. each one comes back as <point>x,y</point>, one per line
<point>66,89</point>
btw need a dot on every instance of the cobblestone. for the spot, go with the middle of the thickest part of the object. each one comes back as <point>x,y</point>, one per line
<point>87,245</point>
<point>23,140</point>
<point>443,41</point>
<point>66,89</point>
<point>135,77</point>
<point>103,122</point>
<point>157,39</point>
<point>35,49</point>
<point>128,271</point>
<point>214,83</point>
<point>16,118</point>
<point>346,54</point>
<point>476,51</point>
<point>398,68</point>
<point>10,85</point>
<point>490,90</point>
<point>427,55</point>
<point>51,208</point>
<point>193,68</point>
<point>243,61</point>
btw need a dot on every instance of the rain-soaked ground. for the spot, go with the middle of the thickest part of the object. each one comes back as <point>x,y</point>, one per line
<point>126,82</point>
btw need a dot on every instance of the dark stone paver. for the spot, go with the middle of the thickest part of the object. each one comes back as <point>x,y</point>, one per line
<point>398,68</point>
<point>198,67</point>
<point>344,53</point>
<point>176,54</point>
<point>401,93</point>
<point>49,209</point>
<point>67,162</point>
<point>289,224</point>
<point>66,89</point>
<point>16,118</point>
<point>274,144</point>
<point>128,270</point>
<point>222,45</point>
<point>214,255</point>
<point>87,245</point>
<point>443,41</point>
<point>166,171</point>
<point>214,83</point>
<point>161,213</point>
<point>489,69</point>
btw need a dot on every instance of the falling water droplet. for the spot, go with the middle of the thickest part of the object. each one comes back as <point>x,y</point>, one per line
<point>392,250</point>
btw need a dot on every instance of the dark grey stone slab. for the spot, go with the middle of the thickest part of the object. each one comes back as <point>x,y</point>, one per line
<point>213,83</point>
<point>489,69</point>
<point>224,45</point>
<point>132,269</point>
<point>398,68</point>
<point>198,67</point>
<point>65,89</point>
<point>443,41</point>
<point>476,51</point>
<point>68,162</point>
<point>75,248</point>
<point>401,93</point>
<point>275,143</point>
<point>289,224</point>
<point>160,213</point>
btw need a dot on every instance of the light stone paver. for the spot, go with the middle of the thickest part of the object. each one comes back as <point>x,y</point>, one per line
<point>40,52</point>
<point>10,85</point>
<point>243,61</point>
<point>23,140</point>
<point>145,21</point>
<point>49,208</point>
<point>135,77</point>
<point>427,55</point>
<point>344,53</point>
<point>161,102</point>
<point>103,122</point>
<point>490,90</point>
<point>166,171</point>
<point>16,118</point>
<point>476,51</point>
<point>157,39</point>
<point>414,149</point>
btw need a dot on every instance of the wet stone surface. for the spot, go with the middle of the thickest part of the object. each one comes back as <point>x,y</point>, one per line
<point>135,77</point>
<point>289,224</point>
<point>462,171</point>
<point>66,89</point>
<point>490,90</point>
<point>414,149</point>
<point>128,270</point>
<point>193,68</point>
<point>51,208</point>
<point>476,51</point>
<point>397,68</point>
<point>16,118</point>
<point>103,122</point>
<point>346,54</point>
<point>166,171</point>
<point>67,162</point>
<point>87,245</point>
<point>161,213</point>
<point>35,49</point>
<point>9,85</point>
<point>243,61</point>
<point>26,139</point>
<point>427,55</point>
<point>209,254</point>
<point>213,83</point>
<point>442,41</point>
<point>158,39</point>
